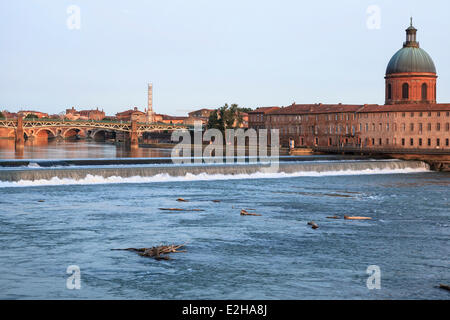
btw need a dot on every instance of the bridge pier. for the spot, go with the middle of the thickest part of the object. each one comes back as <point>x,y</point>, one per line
<point>19,139</point>
<point>134,139</point>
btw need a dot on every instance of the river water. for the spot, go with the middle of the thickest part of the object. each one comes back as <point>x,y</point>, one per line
<point>48,225</point>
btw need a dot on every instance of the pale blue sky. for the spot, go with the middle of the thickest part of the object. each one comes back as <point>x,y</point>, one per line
<point>204,53</point>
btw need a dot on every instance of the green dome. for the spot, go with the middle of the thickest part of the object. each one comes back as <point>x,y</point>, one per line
<point>410,59</point>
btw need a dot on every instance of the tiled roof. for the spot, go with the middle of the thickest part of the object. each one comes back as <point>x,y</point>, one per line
<point>338,108</point>
<point>407,107</point>
<point>315,109</point>
<point>263,110</point>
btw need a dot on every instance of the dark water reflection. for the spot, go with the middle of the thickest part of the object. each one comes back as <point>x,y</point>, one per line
<point>53,149</point>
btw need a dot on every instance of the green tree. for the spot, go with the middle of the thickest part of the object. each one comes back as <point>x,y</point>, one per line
<point>31,116</point>
<point>226,117</point>
<point>1,115</point>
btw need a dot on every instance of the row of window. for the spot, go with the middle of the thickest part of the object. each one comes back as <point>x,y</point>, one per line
<point>338,129</point>
<point>350,116</point>
<point>412,142</point>
<point>406,90</point>
<point>403,127</point>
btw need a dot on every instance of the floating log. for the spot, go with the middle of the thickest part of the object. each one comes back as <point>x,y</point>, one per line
<point>245,213</point>
<point>333,217</point>
<point>179,209</point>
<point>41,200</point>
<point>158,253</point>
<point>357,218</point>
<point>313,225</point>
<point>216,201</point>
<point>181,200</point>
<point>444,286</point>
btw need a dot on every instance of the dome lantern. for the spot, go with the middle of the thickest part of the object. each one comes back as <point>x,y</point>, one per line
<point>411,34</point>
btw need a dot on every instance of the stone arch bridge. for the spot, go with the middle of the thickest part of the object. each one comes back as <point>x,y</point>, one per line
<point>21,129</point>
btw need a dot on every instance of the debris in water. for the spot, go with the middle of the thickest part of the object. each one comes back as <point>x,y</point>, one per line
<point>313,225</point>
<point>216,201</point>
<point>333,217</point>
<point>444,286</point>
<point>41,200</point>
<point>357,218</point>
<point>245,213</point>
<point>181,200</point>
<point>179,209</point>
<point>158,253</point>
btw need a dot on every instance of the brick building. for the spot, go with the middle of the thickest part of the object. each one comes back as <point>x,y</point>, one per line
<point>256,118</point>
<point>131,115</point>
<point>93,114</point>
<point>410,118</point>
<point>24,113</point>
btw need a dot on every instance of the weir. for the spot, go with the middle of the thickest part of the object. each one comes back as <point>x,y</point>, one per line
<point>299,168</point>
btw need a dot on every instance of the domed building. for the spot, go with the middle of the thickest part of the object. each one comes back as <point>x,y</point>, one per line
<point>411,74</point>
<point>410,119</point>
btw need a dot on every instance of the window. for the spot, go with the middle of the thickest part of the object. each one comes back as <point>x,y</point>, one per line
<point>405,91</point>
<point>424,91</point>
<point>420,142</point>
<point>429,127</point>
<point>403,141</point>
<point>420,127</point>
<point>412,114</point>
<point>389,91</point>
<point>411,127</point>
<point>429,142</point>
<point>446,142</point>
<point>411,142</point>
<point>438,142</point>
<point>447,126</point>
<point>438,126</point>
<point>380,142</point>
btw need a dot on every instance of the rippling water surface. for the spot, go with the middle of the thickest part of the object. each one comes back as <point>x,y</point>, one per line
<point>273,256</point>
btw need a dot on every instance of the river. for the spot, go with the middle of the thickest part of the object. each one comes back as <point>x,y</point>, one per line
<point>48,224</point>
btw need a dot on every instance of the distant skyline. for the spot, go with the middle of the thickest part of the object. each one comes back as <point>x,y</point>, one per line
<point>203,54</point>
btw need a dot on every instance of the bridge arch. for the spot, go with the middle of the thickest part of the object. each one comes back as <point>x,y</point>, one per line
<point>72,132</point>
<point>102,134</point>
<point>43,133</point>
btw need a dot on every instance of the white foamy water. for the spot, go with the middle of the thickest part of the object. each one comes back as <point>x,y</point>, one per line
<point>161,178</point>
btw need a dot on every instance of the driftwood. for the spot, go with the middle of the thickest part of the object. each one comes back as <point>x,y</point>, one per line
<point>313,225</point>
<point>245,213</point>
<point>333,217</point>
<point>444,286</point>
<point>182,200</point>
<point>357,218</point>
<point>179,209</point>
<point>158,253</point>
<point>216,201</point>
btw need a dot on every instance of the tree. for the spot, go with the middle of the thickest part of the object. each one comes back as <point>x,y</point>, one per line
<point>31,116</point>
<point>226,117</point>
<point>1,115</point>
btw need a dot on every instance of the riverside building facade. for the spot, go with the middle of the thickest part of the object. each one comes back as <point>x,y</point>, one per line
<point>410,118</point>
